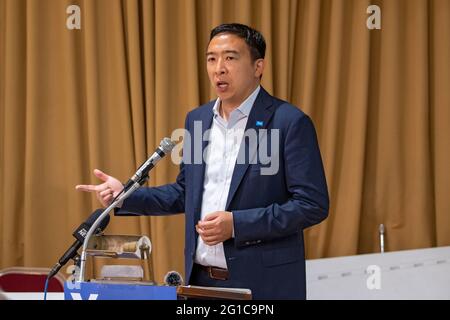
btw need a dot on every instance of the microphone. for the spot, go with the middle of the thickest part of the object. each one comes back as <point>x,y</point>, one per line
<point>80,235</point>
<point>173,279</point>
<point>164,148</point>
<point>381,230</point>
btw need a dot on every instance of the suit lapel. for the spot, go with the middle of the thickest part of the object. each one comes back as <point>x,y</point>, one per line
<point>259,118</point>
<point>199,164</point>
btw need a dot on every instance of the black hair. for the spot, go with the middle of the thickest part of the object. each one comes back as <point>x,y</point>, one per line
<point>254,39</point>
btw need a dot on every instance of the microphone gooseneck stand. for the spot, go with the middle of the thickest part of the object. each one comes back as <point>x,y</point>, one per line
<point>125,193</point>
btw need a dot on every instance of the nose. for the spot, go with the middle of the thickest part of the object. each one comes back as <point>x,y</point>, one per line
<point>220,67</point>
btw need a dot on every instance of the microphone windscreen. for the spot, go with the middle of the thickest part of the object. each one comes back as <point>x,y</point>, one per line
<point>173,278</point>
<point>81,232</point>
<point>91,219</point>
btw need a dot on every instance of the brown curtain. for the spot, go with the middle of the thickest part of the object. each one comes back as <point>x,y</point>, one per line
<point>104,96</point>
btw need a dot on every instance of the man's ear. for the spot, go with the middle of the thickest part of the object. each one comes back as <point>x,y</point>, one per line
<point>259,67</point>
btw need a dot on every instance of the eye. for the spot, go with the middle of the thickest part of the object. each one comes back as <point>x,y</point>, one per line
<point>210,59</point>
<point>229,58</point>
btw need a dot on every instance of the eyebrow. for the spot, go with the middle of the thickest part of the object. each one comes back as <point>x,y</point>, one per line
<point>225,51</point>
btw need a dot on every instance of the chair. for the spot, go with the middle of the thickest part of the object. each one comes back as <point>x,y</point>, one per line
<point>24,279</point>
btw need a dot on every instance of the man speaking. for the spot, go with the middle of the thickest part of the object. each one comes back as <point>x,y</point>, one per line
<point>244,216</point>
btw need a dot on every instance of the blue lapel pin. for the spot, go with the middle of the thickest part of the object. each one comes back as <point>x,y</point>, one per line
<point>259,123</point>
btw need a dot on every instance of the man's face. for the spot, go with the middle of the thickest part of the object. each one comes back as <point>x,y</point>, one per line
<point>231,70</point>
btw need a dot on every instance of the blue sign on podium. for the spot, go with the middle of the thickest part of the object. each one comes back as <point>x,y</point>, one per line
<point>117,291</point>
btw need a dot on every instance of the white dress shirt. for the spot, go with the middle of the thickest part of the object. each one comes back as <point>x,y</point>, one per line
<point>224,143</point>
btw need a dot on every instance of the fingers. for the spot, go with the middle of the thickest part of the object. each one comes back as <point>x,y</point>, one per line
<point>211,216</point>
<point>106,192</point>
<point>210,234</point>
<point>105,196</point>
<point>206,235</point>
<point>212,243</point>
<point>206,226</point>
<point>206,232</point>
<point>101,175</point>
<point>107,199</point>
<point>212,240</point>
<point>94,188</point>
<point>87,187</point>
<point>216,227</point>
<point>208,222</point>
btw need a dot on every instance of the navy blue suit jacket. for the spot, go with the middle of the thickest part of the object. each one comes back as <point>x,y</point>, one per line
<point>269,211</point>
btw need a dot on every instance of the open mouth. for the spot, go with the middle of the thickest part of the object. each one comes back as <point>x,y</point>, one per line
<point>222,85</point>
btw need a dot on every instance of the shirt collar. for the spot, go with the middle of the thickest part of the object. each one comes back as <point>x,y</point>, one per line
<point>245,107</point>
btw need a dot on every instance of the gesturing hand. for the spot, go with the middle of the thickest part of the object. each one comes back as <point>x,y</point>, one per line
<point>105,191</point>
<point>216,227</point>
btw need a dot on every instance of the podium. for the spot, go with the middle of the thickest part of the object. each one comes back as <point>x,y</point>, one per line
<point>116,284</point>
<point>119,247</point>
<point>142,291</point>
<point>117,291</point>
